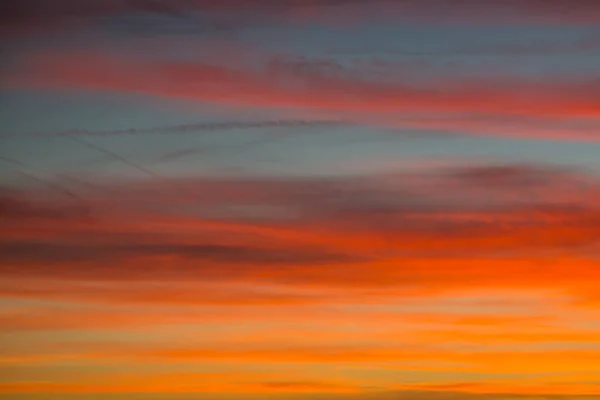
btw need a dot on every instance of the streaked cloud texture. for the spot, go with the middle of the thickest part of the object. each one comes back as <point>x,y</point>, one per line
<point>300,200</point>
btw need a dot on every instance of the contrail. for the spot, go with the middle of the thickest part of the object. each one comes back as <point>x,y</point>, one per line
<point>219,150</point>
<point>117,157</point>
<point>83,203</point>
<point>190,128</point>
<point>154,175</point>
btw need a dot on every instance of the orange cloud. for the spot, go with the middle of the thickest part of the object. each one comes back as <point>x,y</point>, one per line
<point>370,286</point>
<point>391,231</point>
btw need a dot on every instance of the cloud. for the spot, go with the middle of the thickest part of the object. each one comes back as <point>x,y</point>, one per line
<point>494,106</point>
<point>480,197</point>
<point>453,281</point>
<point>499,360</point>
<point>69,393</point>
<point>32,12</point>
<point>270,313</point>
<point>194,128</point>
<point>15,208</point>
<point>509,49</point>
<point>412,233</point>
<point>18,252</point>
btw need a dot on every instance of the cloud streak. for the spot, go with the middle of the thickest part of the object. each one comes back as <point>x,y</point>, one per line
<point>491,226</point>
<point>32,11</point>
<point>193,128</point>
<point>462,269</point>
<point>503,106</point>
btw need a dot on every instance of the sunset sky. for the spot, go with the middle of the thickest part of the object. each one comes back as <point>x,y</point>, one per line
<point>300,199</point>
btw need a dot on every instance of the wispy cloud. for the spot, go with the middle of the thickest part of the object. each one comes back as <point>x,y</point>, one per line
<point>32,12</point>
<point>194,128</point>
<point>348,269</point>
<point>423,232</point>
<point>501,106</point>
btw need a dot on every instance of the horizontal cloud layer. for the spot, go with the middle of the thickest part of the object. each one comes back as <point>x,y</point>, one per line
<point>270,263</point>
<point>501,106</point>
<point>410,232</point>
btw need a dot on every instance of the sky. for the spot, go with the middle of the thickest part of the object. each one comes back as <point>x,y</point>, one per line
<point>300,200</point>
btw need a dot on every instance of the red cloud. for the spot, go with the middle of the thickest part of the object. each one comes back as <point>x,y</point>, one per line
<point>29,12</point>
<point>526,227</point>
<point>500,106</point>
